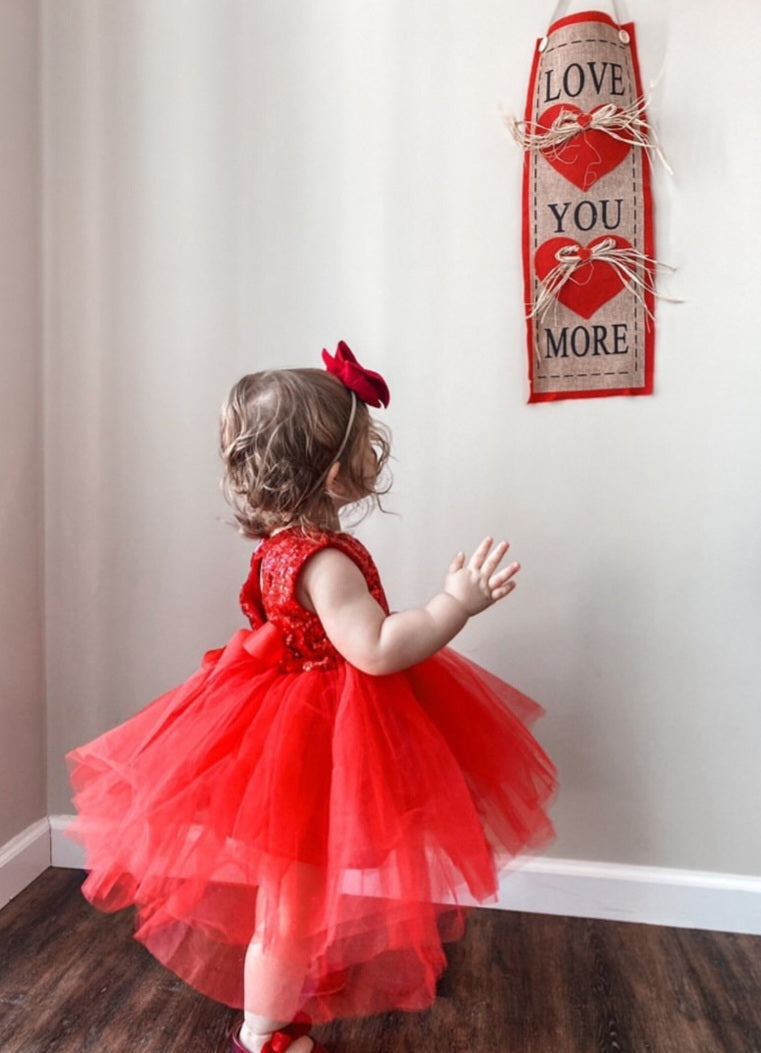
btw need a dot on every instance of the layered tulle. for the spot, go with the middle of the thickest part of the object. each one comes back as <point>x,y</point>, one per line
<point>358,809</point>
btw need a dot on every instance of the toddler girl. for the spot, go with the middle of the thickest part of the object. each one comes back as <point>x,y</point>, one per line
<point>297,821</point>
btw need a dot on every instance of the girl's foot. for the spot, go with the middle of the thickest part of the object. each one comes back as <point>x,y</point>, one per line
<point>292,1039</point>
<point>282,1042</point>
<point>278,1042</point>
<point>305,1044</point>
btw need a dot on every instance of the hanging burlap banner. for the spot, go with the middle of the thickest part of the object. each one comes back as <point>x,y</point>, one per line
<point>587,214</point>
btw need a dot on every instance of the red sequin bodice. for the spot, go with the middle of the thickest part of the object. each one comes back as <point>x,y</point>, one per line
<point>269,593</point>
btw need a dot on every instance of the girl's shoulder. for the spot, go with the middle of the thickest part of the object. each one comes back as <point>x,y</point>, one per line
<point>279,559</point>
<point>289,549</point>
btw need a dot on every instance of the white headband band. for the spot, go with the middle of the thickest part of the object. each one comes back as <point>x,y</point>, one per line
<point>349,426</point>
<point>337,456</point>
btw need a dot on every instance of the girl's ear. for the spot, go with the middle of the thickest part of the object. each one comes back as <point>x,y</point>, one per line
<point>335,468</point>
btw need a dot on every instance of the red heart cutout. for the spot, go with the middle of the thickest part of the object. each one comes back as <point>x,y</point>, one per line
<point>586,156</point>
<point>592,283</point>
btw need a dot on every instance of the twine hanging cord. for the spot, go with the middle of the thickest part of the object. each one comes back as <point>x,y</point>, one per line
<point>633,267</point>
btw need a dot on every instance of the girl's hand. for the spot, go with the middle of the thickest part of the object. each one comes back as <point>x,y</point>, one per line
<point>478,583</point>
<point>334,588</point>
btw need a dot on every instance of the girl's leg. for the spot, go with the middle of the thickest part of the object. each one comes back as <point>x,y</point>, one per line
<point>276,964</point>
<point>273,980</point>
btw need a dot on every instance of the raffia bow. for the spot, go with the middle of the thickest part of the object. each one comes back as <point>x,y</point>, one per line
<point>627,124</point>
<point>635,269</point>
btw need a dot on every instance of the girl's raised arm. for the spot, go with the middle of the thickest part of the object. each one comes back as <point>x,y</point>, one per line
<point>334,588</point>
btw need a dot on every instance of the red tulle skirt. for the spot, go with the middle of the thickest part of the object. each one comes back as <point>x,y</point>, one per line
<point>357,809</point>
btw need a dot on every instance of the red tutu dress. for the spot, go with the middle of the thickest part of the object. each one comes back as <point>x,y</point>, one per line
<point>367,804</point>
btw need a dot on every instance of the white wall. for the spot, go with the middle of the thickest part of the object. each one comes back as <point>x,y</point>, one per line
<point>22,721</point>
<point>233,185</point>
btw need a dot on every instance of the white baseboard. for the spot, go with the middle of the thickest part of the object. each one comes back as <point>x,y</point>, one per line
<point>63,851</point>
<point>617,892</point>
<point>24,858</point>
<point>691,899</point>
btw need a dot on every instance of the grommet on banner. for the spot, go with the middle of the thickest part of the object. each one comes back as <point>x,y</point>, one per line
<point>623,36</point>
<point>542,44</point>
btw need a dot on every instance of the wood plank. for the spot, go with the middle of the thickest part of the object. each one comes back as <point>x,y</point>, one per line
<point>73,980</point>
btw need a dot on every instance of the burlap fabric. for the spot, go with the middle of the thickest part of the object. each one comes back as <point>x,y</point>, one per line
<point>587,215</point>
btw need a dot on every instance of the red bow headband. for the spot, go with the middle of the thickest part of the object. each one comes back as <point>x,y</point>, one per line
<point>370,387</point>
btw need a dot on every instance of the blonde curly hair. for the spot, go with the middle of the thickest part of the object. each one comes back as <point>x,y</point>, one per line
<point>280,432</point>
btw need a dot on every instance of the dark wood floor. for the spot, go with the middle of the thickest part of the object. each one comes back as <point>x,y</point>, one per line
<point>73,981</point>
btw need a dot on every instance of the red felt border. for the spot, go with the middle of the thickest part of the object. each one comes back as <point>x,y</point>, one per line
<point>649,241</point>
<point>584,16</point>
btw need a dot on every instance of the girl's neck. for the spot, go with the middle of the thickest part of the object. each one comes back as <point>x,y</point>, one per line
<point>330,521</point>
<point>331,525</point>
<point>334,525</point>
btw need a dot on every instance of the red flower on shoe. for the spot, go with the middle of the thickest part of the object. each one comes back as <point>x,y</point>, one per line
<point>370,387</point>
<point>280,1042</point>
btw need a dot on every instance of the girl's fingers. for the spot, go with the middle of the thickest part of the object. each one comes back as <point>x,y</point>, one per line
<point>506,573</point>
<point>504,590</point>
<point>496,581</point>
<point>478,557</point>
<point>494,559</point>
<point>457,563</point>
<point>484,562</point>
